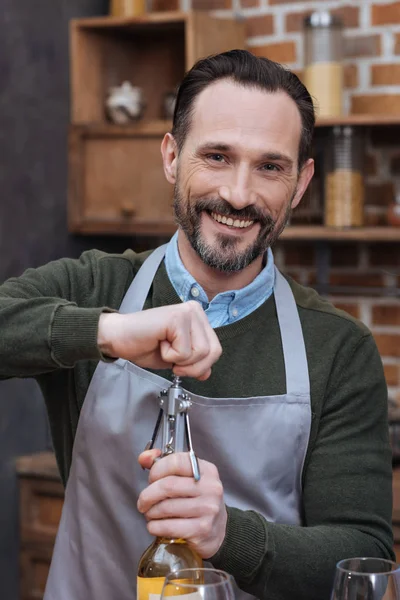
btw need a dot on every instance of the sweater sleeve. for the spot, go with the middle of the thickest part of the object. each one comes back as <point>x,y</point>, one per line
<point>347,494</point>
<point>46,321</point>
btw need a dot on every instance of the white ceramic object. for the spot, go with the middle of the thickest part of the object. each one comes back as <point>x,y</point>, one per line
<point>124,103</point>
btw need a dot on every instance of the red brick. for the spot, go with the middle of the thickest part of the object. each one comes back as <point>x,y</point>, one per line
<point>379,194</point>
<point>385,74</point>
<point>351,309</point>
<point>362,46</point>
<point>356,279</point>
<point>350,76</point>
<point>249,3</point>
<point>349,15</point>
<point>372,219</point>
<point>160,5</point>
<point>272,2</point>
<point>385,14</point>
<point>388,344</point>
<point>282,52</point>
<point>301,255</point>
<point>210,4</point>
<point>392,374</point>
<point>386,314</point>
<point>344,255</point>
<point>397,43</point>
<point>395,165</point>
<point>371,164</point>
<point>384,255</point>
<point>388,104</point>
<point>262,25</point>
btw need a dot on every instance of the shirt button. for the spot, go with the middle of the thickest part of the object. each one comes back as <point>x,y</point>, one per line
<point>195,292</point>
<point>235,312</point>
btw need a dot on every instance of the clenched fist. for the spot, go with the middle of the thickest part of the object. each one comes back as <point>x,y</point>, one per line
<point>177,506</point>
<point>178,337</point>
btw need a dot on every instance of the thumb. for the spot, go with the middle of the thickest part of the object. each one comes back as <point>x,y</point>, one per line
<point>147,458</point>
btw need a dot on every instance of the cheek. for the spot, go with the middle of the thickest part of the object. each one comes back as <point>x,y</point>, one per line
<point>276,195</point>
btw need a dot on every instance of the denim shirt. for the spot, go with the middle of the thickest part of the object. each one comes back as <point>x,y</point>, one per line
<point>226,307</point>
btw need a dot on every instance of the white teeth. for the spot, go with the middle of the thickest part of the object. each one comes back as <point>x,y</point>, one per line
<point>231,222</point>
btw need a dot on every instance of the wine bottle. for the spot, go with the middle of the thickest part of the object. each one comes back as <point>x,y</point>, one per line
<point>161,557</point>
<point>164,554</point>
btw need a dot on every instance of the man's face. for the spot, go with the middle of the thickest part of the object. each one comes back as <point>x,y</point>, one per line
<point>237,174</point>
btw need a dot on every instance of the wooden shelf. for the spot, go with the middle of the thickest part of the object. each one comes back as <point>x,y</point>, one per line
<point>155,127</point>
<point>154,18</point>
<point>360,120</point>
<point>359,234</point>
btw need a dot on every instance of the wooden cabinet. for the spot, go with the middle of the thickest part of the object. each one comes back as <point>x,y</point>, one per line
<point>116,179</point>
<point>41,501</point>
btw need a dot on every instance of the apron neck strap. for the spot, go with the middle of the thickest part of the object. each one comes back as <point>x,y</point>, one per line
<point>139,289</point>
<point>294,350</point>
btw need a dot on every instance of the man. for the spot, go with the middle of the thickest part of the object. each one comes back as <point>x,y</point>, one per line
<point>289,410</point>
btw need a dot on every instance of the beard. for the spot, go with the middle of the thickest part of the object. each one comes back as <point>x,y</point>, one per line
<point>224,254</point>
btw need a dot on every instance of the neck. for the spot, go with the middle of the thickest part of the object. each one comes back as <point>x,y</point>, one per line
<point>211,280</point>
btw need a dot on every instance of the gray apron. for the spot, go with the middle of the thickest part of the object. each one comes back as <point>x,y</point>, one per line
<point>258,445</point>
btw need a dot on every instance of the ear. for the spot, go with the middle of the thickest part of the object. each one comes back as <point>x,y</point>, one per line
<point>305,177</point>
<point>169,153</point>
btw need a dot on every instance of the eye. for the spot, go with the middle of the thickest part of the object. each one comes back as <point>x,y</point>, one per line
<point>270,167</point>
<point>216,157</point>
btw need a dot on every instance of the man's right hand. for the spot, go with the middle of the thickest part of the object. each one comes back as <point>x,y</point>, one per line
<point>178,337</point>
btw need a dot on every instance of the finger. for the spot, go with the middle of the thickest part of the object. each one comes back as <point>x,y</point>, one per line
<point>179,464</point>
<point>200,347</point>
<point>146,459</point>
<point>175,528</point>
<point>185,508</point>
<point>168,487</point>
<point>178,345</point>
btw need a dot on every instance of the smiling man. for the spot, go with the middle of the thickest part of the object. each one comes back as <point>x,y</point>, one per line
<point>289,416</point>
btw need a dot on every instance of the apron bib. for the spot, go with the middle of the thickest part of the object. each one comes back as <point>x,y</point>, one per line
<point>101,535</point>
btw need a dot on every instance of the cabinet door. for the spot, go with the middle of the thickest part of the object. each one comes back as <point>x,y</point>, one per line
<point>117,182</point>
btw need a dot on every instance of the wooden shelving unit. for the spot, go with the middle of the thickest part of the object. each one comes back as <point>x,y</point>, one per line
<point>116,181</point>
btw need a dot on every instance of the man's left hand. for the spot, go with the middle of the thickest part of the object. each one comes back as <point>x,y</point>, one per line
<point>177,506</point>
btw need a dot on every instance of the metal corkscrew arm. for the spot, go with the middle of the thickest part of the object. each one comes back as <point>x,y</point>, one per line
<point>173,418</point>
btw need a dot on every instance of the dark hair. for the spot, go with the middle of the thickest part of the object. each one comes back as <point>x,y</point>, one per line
<point>246,69</point>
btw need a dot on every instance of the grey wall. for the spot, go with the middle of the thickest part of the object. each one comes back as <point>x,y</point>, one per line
<point>34,114</point>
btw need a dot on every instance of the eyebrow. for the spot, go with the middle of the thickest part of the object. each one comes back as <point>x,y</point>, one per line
<point>265,156</point>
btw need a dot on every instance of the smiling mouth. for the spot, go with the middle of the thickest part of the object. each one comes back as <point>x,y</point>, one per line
<point>231,221</point>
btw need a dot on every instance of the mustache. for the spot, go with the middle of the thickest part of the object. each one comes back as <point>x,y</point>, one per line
<point>222,207</point>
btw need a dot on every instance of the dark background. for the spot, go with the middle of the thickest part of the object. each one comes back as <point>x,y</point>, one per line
<point>34,117</point>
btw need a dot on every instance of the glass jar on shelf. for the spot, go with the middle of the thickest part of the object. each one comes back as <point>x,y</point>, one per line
<point>323,62</point>
<point>344,188</point>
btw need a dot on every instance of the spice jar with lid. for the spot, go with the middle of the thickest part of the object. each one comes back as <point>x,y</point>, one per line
<point>344,176</point>
<point>323,61</point>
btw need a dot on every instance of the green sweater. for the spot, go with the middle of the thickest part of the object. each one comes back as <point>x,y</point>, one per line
<point>48,325</point>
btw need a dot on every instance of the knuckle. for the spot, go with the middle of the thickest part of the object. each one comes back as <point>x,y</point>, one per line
<point>204,527</point>
<point>168,486</point>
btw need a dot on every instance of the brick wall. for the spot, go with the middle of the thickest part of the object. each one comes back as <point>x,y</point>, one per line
<point>372,84</point>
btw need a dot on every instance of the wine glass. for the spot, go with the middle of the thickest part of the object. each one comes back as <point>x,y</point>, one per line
<point>366,579</point>
<point>199,584</point>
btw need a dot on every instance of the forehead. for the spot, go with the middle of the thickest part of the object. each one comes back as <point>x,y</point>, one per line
<point>235,114</point>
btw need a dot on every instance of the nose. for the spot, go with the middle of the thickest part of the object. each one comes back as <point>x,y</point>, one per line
<point>238,191</point>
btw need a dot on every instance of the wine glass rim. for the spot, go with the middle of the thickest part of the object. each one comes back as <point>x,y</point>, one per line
<point>340,567</point>
<point>224,576</point>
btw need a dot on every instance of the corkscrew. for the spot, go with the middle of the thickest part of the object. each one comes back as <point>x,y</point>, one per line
<point>173,417</point>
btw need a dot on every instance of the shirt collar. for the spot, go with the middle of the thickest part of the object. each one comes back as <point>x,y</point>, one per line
<point>244,299</point>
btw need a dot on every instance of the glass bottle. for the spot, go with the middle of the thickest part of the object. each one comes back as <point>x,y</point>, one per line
<point>165,555</point>
<point>323,62</point>
<point>344,176</point>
